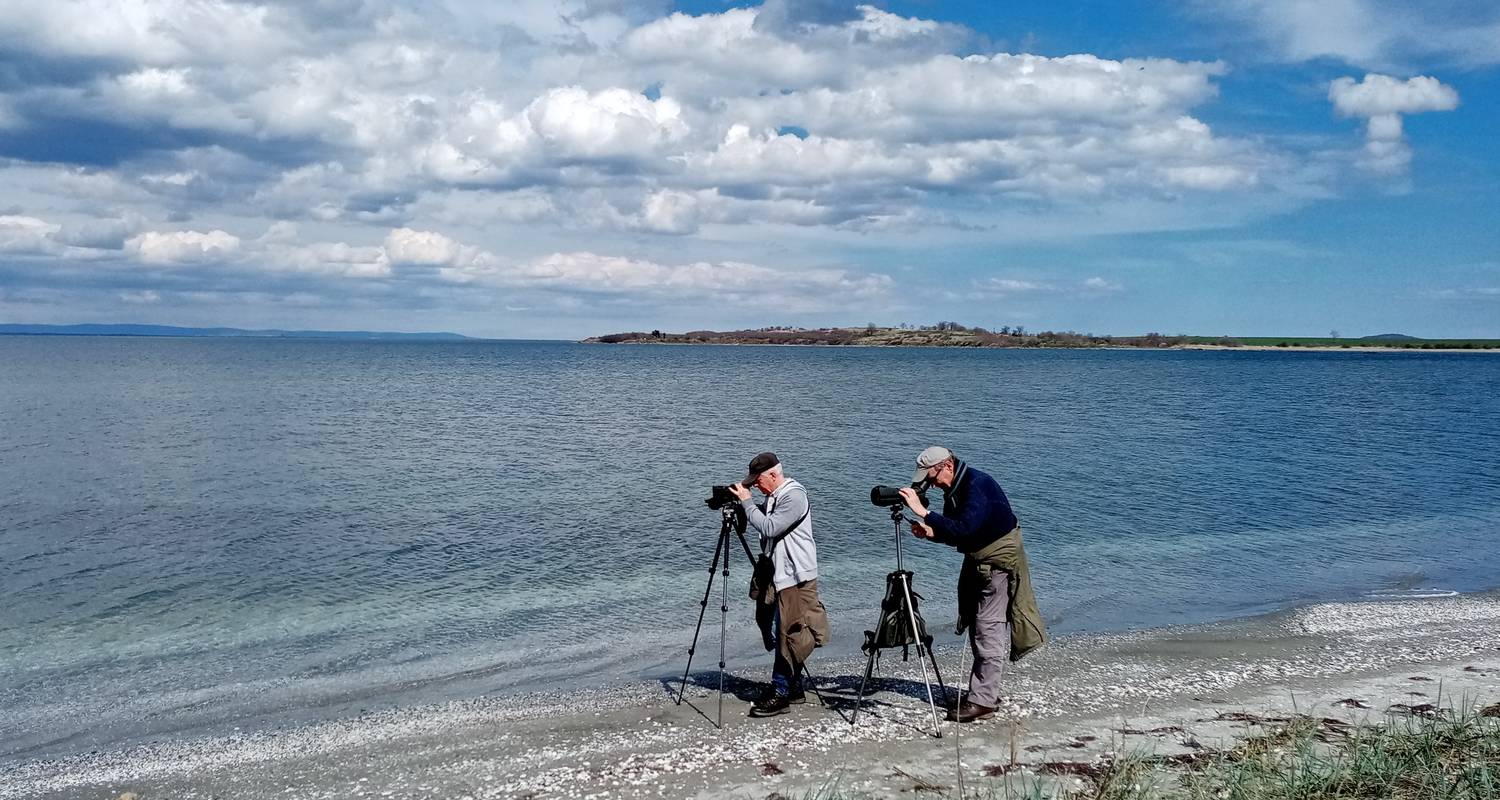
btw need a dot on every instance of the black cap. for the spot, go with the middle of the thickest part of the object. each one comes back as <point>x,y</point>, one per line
<point>760,464</point>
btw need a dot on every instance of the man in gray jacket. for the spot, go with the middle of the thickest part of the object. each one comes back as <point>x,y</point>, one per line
<point>784,522</point>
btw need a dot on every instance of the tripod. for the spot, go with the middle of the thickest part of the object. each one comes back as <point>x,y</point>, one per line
<point>732,519</point>
<point>899,625</point>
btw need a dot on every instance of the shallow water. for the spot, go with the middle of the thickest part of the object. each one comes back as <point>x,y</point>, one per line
<point>198,532</point>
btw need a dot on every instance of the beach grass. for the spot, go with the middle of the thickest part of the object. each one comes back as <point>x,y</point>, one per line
<point>1423,754</point>
<point>1453,755</point>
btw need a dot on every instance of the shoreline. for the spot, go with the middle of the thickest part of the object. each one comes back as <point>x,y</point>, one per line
<point>1078,699</point>
<point>1165,349</point>
<point>1331,349</point>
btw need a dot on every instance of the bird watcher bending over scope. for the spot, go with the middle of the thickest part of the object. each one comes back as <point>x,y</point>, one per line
<point>994,585</point>
<point>785,587</point>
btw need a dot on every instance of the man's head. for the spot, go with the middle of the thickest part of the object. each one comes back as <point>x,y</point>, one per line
<point>765,473</point>
<point>937,465</point>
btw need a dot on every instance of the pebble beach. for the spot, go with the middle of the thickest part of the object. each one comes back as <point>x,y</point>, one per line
<point>1081,699</point>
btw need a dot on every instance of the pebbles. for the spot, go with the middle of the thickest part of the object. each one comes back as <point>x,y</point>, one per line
<point>632,741</point>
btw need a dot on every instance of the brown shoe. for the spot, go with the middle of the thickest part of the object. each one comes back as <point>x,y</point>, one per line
<point>969,712</point>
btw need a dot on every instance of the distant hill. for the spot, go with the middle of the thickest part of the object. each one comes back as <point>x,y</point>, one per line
<point>172,330</point>
<point>952,334</point>
<point>944,334</point>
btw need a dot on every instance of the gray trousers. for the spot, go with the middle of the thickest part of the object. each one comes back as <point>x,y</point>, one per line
<point>990,640</point>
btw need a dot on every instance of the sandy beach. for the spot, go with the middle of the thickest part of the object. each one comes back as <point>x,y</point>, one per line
<point>1084,697</point>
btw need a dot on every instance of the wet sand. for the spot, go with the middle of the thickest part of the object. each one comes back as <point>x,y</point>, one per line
<point>1165,691</point>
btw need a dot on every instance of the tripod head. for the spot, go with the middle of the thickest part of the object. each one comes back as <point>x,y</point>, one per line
<point>898,515</point>
<point>732,517</point>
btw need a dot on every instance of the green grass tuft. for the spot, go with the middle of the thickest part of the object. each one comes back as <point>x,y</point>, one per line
<point>1447,755</point>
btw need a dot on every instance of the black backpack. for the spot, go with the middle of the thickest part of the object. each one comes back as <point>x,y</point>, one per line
<point>895,626</point>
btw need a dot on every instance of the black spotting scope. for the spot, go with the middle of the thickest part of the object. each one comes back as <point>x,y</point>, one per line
<point>886,496</point>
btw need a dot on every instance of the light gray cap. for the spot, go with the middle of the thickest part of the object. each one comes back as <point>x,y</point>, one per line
<point>929,458</point>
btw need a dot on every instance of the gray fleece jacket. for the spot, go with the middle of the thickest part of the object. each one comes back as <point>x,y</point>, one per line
<point>796,558</point>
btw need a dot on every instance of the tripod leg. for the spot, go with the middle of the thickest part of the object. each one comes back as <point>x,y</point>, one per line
<point>933,657</point>
<point>702,608</point>
<point>916,634</point>
<point>723,620</point>
<point>807,679</point>
<point>859,699</point>
<point>745,544</point>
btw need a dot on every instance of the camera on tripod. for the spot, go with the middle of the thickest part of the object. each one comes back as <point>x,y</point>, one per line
<point>886,496</point>
<point>720,496</point>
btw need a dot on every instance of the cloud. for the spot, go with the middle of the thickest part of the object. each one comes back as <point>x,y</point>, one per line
<point>1380,34</point>
<point>144,297</point>
<point>99,234</point>
<point>788,289</point>
<point>615,122</point>
<point>406,246</point>
<point>1482,293</point>
<point>1382,95</point>
<point>21,235</point>
<point>1016,287</point>
<point>1010,287</point>
<point>405,106</point>
<point>460,150</point>
<point>282,262</point>
<point>183,247</point>
<point>148,31</point>
<point>1102,285</point>
<point>1381,100</point>
<point>1013,286</point>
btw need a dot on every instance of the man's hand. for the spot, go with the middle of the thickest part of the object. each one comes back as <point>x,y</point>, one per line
<point>913,502</point>
<point>740,492</point>
<point>921,530</point>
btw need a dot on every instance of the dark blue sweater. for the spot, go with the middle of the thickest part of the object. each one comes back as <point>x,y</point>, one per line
<point>976,512</point>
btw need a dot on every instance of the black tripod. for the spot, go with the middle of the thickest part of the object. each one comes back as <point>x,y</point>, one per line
<point>901,626</point>
<point>733,519</point>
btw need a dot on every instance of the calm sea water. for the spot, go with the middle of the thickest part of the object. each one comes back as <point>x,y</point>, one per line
<point>199,533</point>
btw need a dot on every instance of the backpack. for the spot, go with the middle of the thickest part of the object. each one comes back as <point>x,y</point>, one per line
<point>894,628</point>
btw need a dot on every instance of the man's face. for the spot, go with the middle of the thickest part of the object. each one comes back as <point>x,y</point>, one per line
<point>941,475</point>
<point>766,481</point>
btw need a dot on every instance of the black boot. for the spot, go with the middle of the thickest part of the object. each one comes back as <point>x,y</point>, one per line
<point>771,704</point>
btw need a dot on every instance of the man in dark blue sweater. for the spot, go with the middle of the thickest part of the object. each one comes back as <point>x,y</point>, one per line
<point>995,597</point>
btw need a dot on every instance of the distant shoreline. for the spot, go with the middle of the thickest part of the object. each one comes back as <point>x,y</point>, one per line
<point>1163,348</point>
<point>1168,348</point>
<point>848,337</point>
<point>1358,348</point>
<point>178,332</point>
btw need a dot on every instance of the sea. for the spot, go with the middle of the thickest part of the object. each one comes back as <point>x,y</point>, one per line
<point>209,535</point>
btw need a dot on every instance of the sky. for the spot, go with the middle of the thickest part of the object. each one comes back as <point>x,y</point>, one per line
<point>564,169</point>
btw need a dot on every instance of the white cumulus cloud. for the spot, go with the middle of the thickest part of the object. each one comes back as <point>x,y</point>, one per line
<point>613,122</point>
<point>1380,95</point>
<point>183,247</point>
<point>1381,101</point>
<point>23,235</point>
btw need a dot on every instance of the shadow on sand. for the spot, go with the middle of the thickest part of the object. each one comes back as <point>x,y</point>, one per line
<point>836,692</point>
